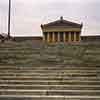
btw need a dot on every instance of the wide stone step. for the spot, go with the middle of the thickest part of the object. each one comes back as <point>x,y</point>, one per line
<point>51,75</point>
<point>50,92</point>
<point>50,68</point>
<point>45,71</point>
<point>48,74</point>
<point>6,72</point>
<point>91,76</point>
<point>50,87</point>
<point>30,97</point>
<point>51,78</point>
<point>58,76</point>
<point>51,82</point>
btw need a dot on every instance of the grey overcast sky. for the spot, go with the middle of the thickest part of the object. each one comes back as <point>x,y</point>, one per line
<point>28,15</point>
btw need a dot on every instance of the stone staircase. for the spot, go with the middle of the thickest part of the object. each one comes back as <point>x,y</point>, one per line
<point>46,81</point>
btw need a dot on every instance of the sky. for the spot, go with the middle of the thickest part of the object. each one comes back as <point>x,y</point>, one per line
<point>28,15</point>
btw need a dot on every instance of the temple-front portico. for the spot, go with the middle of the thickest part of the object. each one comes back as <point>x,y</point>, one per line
<point>61,31</point>
<point>61,36</point>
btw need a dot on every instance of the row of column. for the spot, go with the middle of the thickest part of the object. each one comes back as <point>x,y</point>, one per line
<point>61,37</point>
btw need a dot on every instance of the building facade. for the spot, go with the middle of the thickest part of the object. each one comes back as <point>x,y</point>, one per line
<point>91,38</point>
<point>61,31</point>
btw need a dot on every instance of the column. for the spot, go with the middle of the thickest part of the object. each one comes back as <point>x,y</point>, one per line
<point>78,36</point>
<point>74,36</point>
<point>58,40</point>
<point>64,36</point>
<point>43,37</point>
<point>69,37</point>
<point>53,36</point>
<point>48,37</point>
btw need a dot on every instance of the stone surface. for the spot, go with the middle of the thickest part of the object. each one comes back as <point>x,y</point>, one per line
<point>49,71</point>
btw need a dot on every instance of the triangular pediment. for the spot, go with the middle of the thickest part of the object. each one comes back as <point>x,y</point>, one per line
<point>62,22</point>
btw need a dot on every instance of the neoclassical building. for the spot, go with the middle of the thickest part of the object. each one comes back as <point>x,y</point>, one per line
<point>61,31</point>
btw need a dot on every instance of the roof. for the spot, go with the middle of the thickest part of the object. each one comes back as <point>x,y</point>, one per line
<point>62,22</point>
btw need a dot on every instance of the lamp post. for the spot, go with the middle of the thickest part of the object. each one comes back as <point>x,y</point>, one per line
<point>9,18</point>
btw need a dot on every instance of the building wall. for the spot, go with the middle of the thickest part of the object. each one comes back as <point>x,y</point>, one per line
<point>31,38</point>
<point>90,38</point>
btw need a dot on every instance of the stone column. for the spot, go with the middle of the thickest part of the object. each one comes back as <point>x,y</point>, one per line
<point>64,36</point>
<point>74,36</point>
<point>48,37</point>
<point>58,40</point>
<point>78,36</point>
<point>53,36</point>
<point>69,37</point>
<point>43,37</point>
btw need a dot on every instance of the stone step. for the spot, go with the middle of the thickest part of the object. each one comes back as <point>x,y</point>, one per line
<point>50,71</point>
<point>50,66</point>
<point>51,77</point>
<point>57,72</point>
<point>43,71</point>
<point>78,78</point>
<point>50,87</point>
<point>51,82</point>
<point>30,97</point>
<point>47,74</point>
<point>50,92</point>
<point>58,66</point>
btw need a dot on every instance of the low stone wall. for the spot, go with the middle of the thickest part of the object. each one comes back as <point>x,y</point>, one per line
<point>90,38</point>
<point>32,38</point>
